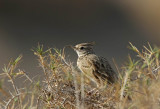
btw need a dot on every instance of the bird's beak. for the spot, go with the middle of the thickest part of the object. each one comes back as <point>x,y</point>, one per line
<point>73,47</point>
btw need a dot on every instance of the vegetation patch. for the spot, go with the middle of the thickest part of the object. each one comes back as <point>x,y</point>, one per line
<point>63,86</point>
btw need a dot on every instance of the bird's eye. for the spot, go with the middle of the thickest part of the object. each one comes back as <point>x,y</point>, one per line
<point>81,48</point>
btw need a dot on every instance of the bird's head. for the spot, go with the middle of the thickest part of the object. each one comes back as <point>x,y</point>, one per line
<point>84,48</point>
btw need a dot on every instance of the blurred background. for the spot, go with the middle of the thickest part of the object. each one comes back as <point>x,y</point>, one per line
<point>56,23</point>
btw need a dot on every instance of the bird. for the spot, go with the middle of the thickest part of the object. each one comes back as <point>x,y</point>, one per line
<point>95,67</point>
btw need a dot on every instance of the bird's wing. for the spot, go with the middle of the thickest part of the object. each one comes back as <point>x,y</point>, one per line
<point>102,68</point>
<point>105,64</point>
<point>97,66</point>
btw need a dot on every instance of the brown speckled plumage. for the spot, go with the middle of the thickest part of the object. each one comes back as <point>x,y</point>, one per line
<point>93,66</point>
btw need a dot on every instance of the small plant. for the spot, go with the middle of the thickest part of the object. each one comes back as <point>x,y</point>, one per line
<point>63,86</point>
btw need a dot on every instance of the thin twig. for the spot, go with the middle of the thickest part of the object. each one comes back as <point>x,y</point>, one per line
<point>14,96</point>
<point>74,78</point>
<point>9,101</point>
<point>124,84</point>
<point>82,90</point>
<point>45,72</point>
<point>156,69</point>
<point>26,76</point>
<point>38,99</point>
<point>15,88</point>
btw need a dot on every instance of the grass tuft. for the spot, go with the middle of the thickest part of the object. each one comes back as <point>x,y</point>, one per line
<point>63,86</point>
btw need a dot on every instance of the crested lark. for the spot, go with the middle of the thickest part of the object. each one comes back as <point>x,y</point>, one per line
<point>94,67</point>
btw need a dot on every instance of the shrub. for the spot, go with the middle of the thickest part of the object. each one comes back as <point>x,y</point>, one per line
<point>65,87</point>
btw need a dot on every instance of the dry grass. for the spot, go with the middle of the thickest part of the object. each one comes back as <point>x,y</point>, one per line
<point>65,87</point>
